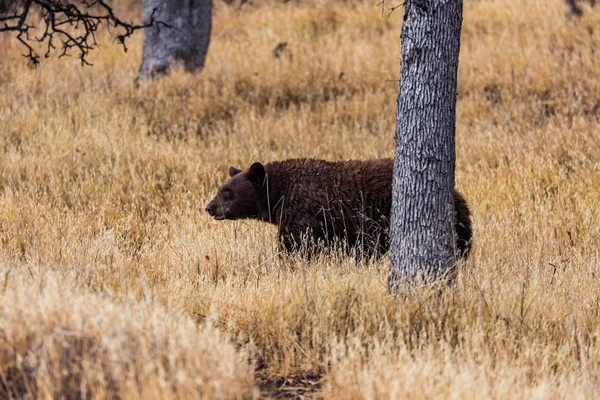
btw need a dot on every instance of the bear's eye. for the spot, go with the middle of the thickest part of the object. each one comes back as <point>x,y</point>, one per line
<point>227,194</point>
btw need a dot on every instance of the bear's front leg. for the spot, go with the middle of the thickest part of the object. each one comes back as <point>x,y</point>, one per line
<point>297,239</point>
<point>287,243</point>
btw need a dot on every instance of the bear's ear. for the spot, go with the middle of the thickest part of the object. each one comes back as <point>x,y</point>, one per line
<point>233,171</point>
<point>256,173</point>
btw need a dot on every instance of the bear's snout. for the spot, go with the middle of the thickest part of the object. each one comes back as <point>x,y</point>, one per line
<point>210,209</point>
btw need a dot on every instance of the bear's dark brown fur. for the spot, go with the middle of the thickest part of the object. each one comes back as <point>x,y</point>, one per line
<point>320,202</point>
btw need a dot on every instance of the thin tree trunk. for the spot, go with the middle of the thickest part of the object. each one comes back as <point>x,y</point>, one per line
<point>185,40</point>
<point>423,214</point>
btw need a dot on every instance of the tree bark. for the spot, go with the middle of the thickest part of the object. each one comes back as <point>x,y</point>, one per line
<point>10,5</point>
<point>184,40</point>
<point>423,213</point>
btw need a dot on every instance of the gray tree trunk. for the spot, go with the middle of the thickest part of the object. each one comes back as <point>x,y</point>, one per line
<point>7,6</point>
<point>423,214</point>
<point>185,40</point>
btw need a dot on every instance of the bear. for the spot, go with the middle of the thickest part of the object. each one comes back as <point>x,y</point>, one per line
<point>317,203</point>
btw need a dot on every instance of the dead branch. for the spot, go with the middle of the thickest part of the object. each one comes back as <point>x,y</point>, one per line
<point>66,26</point>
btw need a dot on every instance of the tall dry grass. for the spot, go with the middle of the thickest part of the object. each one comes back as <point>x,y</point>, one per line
<point>114,282</point>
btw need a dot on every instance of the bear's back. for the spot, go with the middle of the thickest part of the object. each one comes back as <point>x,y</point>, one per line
<point>340,199</point>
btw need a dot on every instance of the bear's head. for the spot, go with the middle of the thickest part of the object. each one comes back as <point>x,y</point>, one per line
<point>242,196</point>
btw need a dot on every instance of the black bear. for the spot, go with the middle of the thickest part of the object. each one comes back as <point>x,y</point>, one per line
<point>317,202</point>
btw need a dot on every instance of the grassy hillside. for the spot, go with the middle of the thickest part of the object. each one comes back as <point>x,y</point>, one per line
<point>114,282</point>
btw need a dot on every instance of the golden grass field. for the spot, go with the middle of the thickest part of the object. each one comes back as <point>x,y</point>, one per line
<point>114,283</point>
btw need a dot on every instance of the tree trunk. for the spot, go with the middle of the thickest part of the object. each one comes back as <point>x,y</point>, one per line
<point>423,214</point>
<point>181,34</point>
<point>7,6</point>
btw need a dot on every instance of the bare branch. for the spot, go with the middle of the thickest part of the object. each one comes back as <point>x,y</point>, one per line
<point>71,23</point>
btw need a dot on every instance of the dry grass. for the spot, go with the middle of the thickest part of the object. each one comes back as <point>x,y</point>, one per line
<point>114,282</point>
